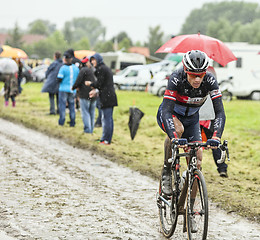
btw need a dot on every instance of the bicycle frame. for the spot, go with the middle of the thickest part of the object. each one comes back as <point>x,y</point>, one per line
<point>192,165</point>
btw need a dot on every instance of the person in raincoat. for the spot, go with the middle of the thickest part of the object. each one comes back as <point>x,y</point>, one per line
<point>87,104</point>
<point>10,88</point>
<point>51,85</point>
<point>107,94</point>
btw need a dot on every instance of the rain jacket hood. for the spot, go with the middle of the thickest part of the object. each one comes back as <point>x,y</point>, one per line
<point>98,57</point>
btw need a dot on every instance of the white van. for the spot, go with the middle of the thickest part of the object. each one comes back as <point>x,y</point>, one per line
<point>118,61</point>
<point>244,72</point>
<point>133,78</point>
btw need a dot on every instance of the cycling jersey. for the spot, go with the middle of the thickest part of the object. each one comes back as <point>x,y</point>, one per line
<point>183,101</point>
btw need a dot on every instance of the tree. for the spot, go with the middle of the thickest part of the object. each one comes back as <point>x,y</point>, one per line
<point>125,44</point>
<point>250,32</point>
<point>154,40</point>
<point>46,48</point>
<point>232,11</point>
<point>87,27</point>
<point>82,44</point>
<point>102,46</point>
<point>120,37</point>
<point>42,27</point>
<point>67,31</point>
<point>15,37</point>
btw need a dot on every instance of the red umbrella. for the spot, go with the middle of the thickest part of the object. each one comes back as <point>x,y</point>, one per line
<point>214,48</point>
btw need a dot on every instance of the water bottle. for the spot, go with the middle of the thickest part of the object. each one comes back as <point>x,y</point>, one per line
<point>182,181</point>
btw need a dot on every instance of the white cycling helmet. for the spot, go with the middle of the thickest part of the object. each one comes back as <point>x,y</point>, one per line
<point>195,62</point>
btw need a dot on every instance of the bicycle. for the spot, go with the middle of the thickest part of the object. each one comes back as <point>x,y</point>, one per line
<point>182,201</point>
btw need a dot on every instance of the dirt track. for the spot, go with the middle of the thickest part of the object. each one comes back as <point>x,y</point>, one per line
<point>50,190</point>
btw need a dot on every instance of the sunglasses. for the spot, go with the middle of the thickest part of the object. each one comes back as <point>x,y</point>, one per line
<point>200,75</point>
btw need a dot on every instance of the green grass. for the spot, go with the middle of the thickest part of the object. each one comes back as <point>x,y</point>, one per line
<point>239,193</point>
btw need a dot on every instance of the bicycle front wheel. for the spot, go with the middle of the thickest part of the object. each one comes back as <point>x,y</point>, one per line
<point>167,212</point>
<point>197,208</point>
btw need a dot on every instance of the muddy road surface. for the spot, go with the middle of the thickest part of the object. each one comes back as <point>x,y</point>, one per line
<point>50,190</point>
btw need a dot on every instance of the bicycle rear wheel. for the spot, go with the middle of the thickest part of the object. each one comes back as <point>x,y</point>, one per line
<point>168,212</point>
<point>197,211</point>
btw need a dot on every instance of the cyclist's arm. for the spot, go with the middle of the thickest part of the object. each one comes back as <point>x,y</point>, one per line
<point>220,118</point>
<point>167,118</point>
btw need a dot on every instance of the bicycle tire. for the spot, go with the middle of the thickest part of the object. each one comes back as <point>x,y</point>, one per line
<point>168,215</point>
<point>199,211</point>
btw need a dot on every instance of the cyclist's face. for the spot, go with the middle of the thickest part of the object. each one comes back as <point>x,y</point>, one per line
<point>195,80</point>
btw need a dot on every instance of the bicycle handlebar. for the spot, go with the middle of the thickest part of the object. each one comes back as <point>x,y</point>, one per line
<point>183,142</point>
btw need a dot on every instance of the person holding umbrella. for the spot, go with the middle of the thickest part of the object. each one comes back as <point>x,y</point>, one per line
<point>8,70</point>
<point>178,115</point>
<point>107,94</point>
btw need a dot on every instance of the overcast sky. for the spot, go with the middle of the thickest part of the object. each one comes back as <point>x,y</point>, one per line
<point>132,16</point>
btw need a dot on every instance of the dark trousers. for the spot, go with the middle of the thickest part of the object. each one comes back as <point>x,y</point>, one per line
<point>221,167</point>
<point>52,103</point>
<point>107,124</point>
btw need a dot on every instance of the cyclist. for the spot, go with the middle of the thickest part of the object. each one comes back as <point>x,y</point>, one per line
<point>178,115</point>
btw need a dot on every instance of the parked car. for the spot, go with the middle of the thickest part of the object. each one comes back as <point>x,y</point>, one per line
<point>27,74</point>
<point>138,77</point>
<point>133,78</point>
<point>159,83</point>
<point>160,80</point>
<point>38,73</point>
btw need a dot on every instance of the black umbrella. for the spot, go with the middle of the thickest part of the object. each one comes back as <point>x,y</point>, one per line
<point>135,115</point>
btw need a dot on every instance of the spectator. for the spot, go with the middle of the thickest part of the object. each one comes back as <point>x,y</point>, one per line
<point>75,60</point>
<point>207,116</point>
<point>87,104</point>
<point>52,85</point>
<point>207,133</point>
<point>98,122</point>
<point>78,63</point>
<point>20,74</point>
<point>10,88</point>
<point>67,76</point>
<point>108,98</point>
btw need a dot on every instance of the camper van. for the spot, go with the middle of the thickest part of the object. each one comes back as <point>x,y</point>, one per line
<point>243,74</point>
<point>118,61</point>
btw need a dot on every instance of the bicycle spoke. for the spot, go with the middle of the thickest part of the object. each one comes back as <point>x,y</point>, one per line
<point>197,214</point>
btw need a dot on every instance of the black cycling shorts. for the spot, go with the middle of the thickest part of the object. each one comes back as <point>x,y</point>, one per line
<point>191,126</point>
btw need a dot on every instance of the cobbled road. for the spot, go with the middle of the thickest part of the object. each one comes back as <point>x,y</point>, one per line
<point>50,190</point>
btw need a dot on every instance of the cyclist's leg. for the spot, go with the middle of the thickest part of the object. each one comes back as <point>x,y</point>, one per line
<point>166,171</point>
<point>167,143</point>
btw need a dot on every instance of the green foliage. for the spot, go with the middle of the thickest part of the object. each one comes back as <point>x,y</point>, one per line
<point>122,36</point>
<point>82,44</point>
<point>227,21</point>
<point>87,27</point>
<point>46,48</point>
<point>102,46</point>
<point>67,31</point>
<point>154,39</point>
<point>15,39</point>
<point>124,44</point>
<point>198,19</point>
<point>42,27</point>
